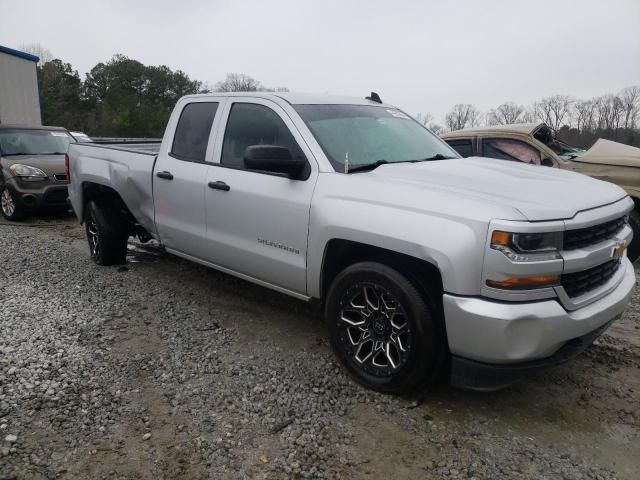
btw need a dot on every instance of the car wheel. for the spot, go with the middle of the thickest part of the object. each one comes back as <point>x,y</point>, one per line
<point>106,234</point>
<point>9,207</point>
<point>382,329</point>
<point>634,248</point>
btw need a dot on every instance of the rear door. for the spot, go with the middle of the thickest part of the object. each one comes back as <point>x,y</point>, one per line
<point>258,223</point>
<point>179,177</point>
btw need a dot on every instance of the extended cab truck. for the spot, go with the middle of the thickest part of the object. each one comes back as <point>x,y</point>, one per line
<point>535,143</point>
<point>425,262</point>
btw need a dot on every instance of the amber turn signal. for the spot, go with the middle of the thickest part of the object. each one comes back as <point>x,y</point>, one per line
<point>501,238</point>
<point>526,283</point>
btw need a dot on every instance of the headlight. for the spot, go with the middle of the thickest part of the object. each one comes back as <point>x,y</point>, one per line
<point>28,173</point>
<point>527,247</point>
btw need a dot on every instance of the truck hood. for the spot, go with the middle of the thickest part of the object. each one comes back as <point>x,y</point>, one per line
<point>606,152</point>
<point>49,164</point>
<point>537,192</point>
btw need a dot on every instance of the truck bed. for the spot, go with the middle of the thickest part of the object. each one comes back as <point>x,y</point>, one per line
<point>149,147</point>
<point>126,167</point>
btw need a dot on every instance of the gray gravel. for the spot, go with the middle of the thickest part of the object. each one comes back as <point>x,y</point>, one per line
<point>163,369</point>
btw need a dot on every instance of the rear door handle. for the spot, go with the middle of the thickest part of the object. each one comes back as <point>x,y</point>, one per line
<point>166,175</point>
<point>219,185</point>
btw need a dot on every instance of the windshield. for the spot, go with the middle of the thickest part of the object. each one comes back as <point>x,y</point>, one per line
<point>33,142</point>
<point>369,135</point>
<point>563,150</point>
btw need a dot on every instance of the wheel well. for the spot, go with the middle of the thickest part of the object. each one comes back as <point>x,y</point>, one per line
<point>94,191</point>
<point>339,254</point>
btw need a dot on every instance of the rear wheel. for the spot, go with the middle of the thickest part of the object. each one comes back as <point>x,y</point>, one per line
<point>107,233</point>
<point>382,329</point>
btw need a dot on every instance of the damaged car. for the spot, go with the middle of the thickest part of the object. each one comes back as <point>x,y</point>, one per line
<point>535,143</point>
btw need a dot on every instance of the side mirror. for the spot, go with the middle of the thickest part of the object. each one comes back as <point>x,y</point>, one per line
<point>273,159</point>
<point>547,162</point>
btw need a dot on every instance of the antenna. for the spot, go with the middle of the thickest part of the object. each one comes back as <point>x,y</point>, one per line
<point>374,97</point>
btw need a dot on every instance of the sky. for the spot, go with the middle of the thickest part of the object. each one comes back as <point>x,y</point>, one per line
<point>422,56</point>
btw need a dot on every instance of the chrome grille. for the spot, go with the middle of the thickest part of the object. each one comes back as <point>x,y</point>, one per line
<point>583,237</point>
<point>579,283</point>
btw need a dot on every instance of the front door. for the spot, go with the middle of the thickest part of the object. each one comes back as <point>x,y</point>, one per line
<point>258,223</point>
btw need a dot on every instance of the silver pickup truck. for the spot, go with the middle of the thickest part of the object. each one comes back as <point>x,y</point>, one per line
<point>426,263</point>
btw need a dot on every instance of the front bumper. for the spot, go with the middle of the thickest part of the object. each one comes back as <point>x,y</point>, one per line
<point>36,195</point>
<point>507,333</point>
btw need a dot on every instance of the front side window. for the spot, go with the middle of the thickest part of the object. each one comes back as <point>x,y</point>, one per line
<point>251,124</point>
<point>463,147</point>
<point>192,133</point>
<point>507,149</point>
<point>367,134</point>
<point>34,142</point>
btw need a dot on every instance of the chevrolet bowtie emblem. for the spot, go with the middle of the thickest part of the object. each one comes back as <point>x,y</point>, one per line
<point>618,250</point>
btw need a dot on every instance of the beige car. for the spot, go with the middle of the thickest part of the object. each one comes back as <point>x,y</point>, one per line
<point>534,143</point>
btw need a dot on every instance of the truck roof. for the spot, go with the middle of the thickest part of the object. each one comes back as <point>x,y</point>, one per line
<point>526,128</point>
<point>296,98</point>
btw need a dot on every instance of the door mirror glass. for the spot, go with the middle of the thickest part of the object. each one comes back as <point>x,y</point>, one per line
<point>273,159</point>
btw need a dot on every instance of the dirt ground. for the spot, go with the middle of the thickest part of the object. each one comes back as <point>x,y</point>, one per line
<point>164,369</point>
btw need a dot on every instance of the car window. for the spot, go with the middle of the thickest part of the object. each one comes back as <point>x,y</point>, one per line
<point>463,147</point>
<point>252,124</point>
<point>507,149</point>
<point>192,133</point>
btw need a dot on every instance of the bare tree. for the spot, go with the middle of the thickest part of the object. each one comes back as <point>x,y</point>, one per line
<point>436,128</point>
<point>555,111</point>
<point>610,112</point>
<point>584,114</point>
<point>238,82</point>
<point>424,118</point>
<point>460,116</point>
<point>630,98</point>
<point>506,114</point>
<point>39,51</point>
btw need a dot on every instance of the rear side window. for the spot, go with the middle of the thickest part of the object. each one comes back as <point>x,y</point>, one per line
<point>507,149</point>
<point>463,147</point>
<point>192,133</point>
<point>252,124</point>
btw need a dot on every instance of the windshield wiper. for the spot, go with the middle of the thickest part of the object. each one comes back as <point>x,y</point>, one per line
<point>367,167</point>
<point>437,156</point>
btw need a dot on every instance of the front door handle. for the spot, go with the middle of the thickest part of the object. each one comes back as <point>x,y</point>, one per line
<point>219,185</point>
<point>166,175</point>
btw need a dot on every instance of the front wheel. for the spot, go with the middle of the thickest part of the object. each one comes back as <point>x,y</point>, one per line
<point>382,329</point>
<point>634,248</point>
<point>9,206</point>
<point>107,233</point>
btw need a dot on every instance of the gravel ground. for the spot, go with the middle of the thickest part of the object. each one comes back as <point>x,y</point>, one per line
<point>163,369</point>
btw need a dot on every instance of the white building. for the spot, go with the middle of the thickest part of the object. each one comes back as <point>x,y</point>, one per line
<point>19,100</point>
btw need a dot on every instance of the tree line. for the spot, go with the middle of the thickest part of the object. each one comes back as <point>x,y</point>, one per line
<point>121,97</point>
<point>577,121</point>
<point>125,98</point>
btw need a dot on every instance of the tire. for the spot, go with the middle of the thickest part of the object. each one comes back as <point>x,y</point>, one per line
<point>634,247</point>
<point>8,205</point>
<point>391,316</point>
<point>107,233</point>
